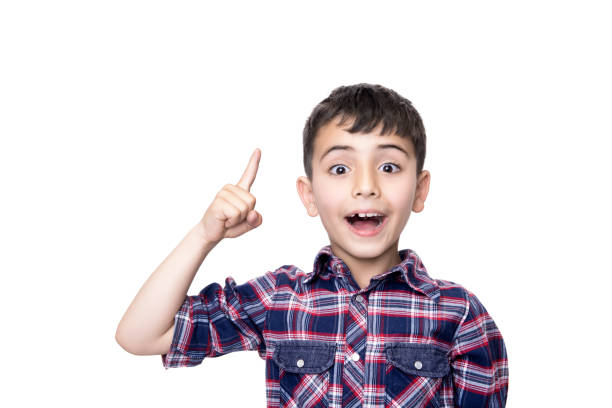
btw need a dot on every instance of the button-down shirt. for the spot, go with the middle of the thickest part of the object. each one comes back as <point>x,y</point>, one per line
<point>406,340</point>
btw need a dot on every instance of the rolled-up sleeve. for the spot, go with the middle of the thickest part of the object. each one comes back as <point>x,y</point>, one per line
<point>220,320</point>
<point>478,359</point>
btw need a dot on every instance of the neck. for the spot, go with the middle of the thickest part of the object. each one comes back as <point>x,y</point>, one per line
<point>364,269</point>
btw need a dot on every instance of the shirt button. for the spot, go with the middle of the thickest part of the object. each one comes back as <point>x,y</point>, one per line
<point>359,298</point>
<point>355,356</point>
<point>300,363</point>
<point>418,365</point>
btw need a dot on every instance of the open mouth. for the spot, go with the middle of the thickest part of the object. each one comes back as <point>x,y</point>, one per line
<point>365,221</point>
<point>366,224</point>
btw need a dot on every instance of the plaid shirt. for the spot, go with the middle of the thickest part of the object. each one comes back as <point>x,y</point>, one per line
<point>406,340</point>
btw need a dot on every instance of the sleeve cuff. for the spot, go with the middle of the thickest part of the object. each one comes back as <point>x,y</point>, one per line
<point>186,348</point>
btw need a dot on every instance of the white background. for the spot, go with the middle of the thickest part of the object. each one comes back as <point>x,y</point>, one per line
<point>120,120</point>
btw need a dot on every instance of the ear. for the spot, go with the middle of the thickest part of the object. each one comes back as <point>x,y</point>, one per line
<point>422,189</point>
<point>304,189</point>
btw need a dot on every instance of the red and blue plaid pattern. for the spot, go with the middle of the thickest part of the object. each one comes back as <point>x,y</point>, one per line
<point>406,340</point>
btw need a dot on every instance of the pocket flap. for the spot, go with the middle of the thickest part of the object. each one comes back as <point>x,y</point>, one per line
<point>303,356</point>
<point>424,360</point>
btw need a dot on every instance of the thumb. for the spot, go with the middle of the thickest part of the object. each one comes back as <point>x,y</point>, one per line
<point>254,219</point>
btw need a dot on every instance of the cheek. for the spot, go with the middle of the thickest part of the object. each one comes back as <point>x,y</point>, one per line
<point>329,198</point>
<point>400,196</point>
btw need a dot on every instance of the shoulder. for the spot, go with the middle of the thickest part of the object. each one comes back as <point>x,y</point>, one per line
<point>290,276</point>
<point>263,288</point>
<point>457,295</point>
<point>281,276</point>
<point>290,272</point>
<point>451,290</point>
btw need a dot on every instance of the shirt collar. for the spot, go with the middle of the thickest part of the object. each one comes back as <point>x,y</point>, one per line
<point>410,268</point>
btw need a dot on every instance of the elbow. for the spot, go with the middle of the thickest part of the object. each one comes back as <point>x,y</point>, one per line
<point>120,339</point>
<point>125,341</point>
<point>135,344</point>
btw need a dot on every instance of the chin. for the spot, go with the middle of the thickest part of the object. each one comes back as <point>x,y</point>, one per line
<point>365,250</point>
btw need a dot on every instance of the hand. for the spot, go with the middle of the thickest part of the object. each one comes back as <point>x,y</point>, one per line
<point>232,213</point>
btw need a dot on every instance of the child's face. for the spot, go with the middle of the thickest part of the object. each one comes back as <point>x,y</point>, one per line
<point>364,175</point>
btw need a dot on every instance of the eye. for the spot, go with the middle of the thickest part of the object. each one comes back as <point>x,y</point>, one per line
<point>388,168</point>
<point>342,169</point>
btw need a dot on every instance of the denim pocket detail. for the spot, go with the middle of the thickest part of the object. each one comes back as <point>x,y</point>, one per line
<point>419,359</point>
<point>414,374</point>
<point>304,372</point>
<point>304,357</point>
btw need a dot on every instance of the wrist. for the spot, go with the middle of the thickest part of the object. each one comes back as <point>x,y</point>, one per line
<point>204,240</point>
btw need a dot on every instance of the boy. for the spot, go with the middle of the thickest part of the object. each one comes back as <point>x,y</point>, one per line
<point>367,327</point>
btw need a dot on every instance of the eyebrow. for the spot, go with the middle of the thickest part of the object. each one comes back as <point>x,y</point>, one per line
<point>379,147</point>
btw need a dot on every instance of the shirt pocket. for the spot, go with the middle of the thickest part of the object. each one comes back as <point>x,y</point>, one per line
<point>304,372</point>
<point>414,374</point>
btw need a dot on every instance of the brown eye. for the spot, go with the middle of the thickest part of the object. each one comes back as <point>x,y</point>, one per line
<point>341,169</point>
<point>389,168</point>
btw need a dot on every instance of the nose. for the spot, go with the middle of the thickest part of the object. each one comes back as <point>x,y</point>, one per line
<point>365,184</point>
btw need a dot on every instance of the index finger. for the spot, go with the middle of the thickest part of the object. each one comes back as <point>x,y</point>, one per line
<point>248,177</point>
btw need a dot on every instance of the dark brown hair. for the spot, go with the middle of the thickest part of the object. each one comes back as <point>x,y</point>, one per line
<point>366,105</point>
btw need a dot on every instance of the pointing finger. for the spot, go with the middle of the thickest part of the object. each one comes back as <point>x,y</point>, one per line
<point>248,177</point>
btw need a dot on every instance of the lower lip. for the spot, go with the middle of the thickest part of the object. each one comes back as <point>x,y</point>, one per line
<point>368,233</point>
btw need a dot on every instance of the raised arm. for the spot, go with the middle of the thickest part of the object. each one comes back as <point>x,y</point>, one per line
<point>147,327</point>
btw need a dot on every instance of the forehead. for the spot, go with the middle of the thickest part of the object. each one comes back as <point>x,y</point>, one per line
<point>331,135</point>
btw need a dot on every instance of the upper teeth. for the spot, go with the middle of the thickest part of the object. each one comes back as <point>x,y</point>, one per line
<point>369,215</point>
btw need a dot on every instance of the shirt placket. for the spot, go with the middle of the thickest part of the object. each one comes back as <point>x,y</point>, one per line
<point>356,325</point>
